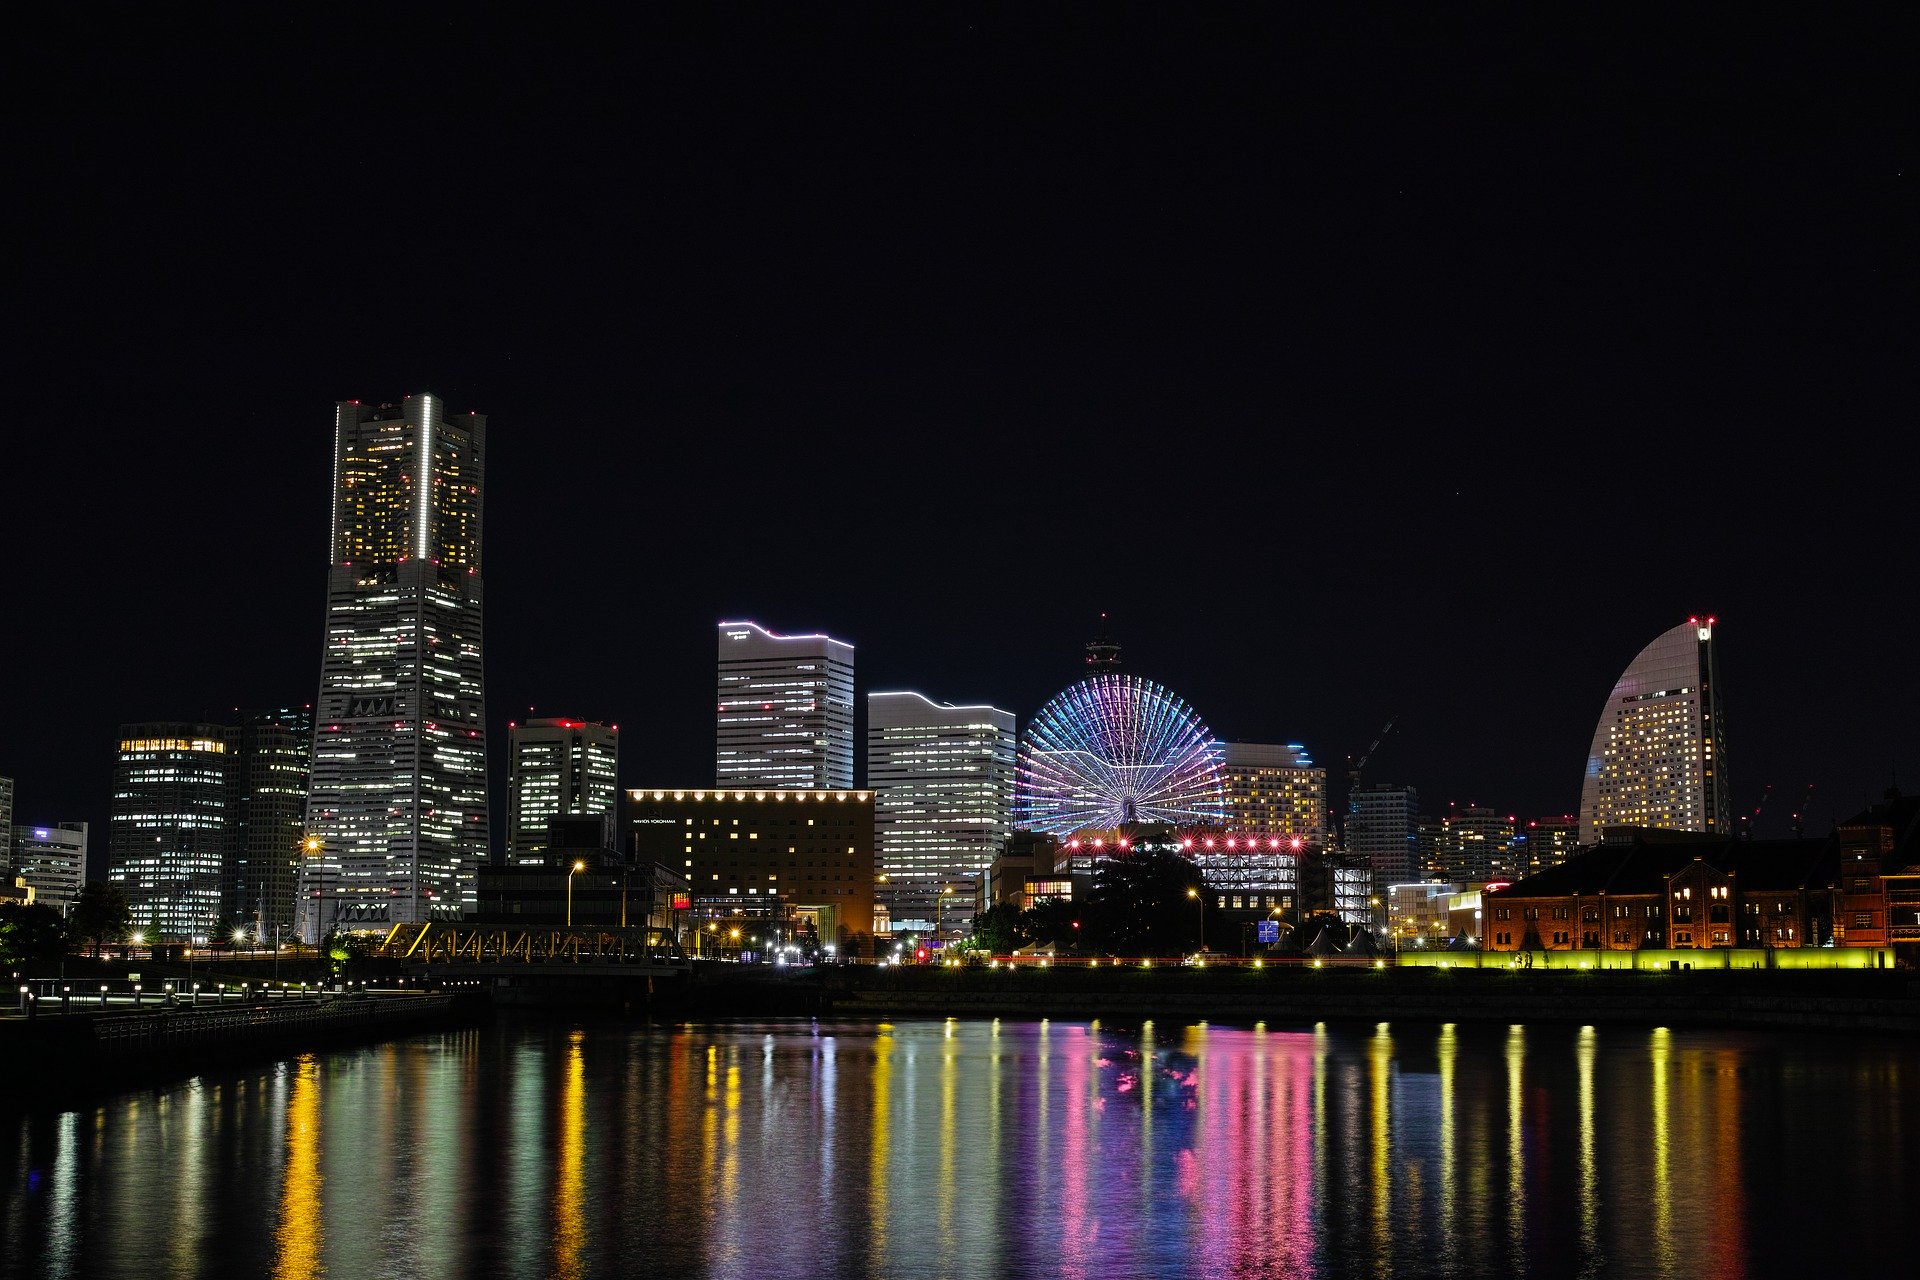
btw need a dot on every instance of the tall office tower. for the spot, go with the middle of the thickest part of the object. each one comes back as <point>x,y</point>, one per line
<point>397,803</point>
<point>1476,845</point>
<point>786,710</point>
<point>53,862</point>
<point>1275,791</point>
<point>942,779</point>
<point>270,815</point>
<point>6,822</point>
<point>170,827</point>
<point>558,769</point>
<point>1659,753</point>
<point>1383,828</point>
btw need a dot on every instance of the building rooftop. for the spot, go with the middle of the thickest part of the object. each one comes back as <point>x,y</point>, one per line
<point>1643,865</point>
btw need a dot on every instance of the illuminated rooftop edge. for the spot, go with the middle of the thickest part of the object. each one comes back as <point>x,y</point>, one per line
<point>640,795</point>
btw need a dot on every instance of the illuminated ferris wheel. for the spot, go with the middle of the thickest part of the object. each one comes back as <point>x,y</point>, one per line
<point>1114,749</point>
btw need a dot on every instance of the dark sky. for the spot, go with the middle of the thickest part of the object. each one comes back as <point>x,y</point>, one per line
<point>1367,367</point>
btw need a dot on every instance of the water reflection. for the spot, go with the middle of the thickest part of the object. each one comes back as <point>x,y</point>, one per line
<point>1586,1052</point>
<point>984,1149</point>
<point>569,1197</point>
<point>298,1237</point>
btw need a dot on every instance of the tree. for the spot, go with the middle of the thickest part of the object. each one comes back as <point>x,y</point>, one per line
<point>1149,904</point>
<point>101,914</point>
<point>341,949</point>
<point>1054,921</point>
<point>30,933</point>
<point>997,929</point>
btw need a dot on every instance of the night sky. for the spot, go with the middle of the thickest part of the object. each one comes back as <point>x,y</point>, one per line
<point>1360,367</point>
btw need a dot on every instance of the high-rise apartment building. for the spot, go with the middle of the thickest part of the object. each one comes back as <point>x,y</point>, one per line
<point>1383,829</point>
<point>785,710</point>
<point>171,825</point>
<point>558,769</point>
<point>1659,753</point>
<point>942,779</point>
<point>1477,845</point>
<point>397,804</point>
<point>53,862</point>
<point>1275,790</point>
<point>270,814</point>
<point>6,822</point>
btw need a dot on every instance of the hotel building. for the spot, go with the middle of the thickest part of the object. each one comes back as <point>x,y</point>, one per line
<point>1274,790</point>
<point>558,769</point>
<point>942,779</point>
<point>797,861</point>
<point>1659,753</point>
<point>785,710</point>
<point>397,805</point>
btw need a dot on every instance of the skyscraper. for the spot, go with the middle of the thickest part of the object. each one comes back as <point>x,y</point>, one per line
<point>1275,790</point>
<point>558,768</point>
<point>171,825</point>
<point>53,862</point>
<point>270,808</point>
<point>6,822</point>
<point>785,710</point>
<point>1659,753</point>
<point>942,779</point>
<point>398,797</point>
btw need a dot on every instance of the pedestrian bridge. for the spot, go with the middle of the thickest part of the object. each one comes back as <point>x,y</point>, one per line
<point>494,948</point>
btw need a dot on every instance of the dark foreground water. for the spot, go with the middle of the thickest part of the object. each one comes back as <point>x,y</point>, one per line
<point>993,1149</point>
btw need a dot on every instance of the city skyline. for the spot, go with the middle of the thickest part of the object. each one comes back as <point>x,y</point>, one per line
<point>1411,410</point>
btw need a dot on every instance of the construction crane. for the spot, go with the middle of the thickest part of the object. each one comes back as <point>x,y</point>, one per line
<point>1747,822</point>
<point>1800,813</point>
<point>1355,766</point>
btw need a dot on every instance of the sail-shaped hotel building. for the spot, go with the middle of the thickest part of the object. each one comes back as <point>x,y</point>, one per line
<point>1659,753</point>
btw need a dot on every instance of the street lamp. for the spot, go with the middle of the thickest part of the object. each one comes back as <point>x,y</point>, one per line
<point>311,846</point>
<point>1195,895</point>
<point>578,865</point>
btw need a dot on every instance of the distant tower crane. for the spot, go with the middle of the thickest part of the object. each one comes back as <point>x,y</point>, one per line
<point>1800,813</point>
<point>1747,822</point>
<point>1355,766</point>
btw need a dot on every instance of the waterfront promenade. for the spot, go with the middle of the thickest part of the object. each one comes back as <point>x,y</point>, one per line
<point>108,1040</point>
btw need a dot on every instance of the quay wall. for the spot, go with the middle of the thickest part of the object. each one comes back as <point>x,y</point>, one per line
<point>123,1047</point>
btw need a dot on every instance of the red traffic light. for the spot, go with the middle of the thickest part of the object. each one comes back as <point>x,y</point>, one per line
<point>921,954</point>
